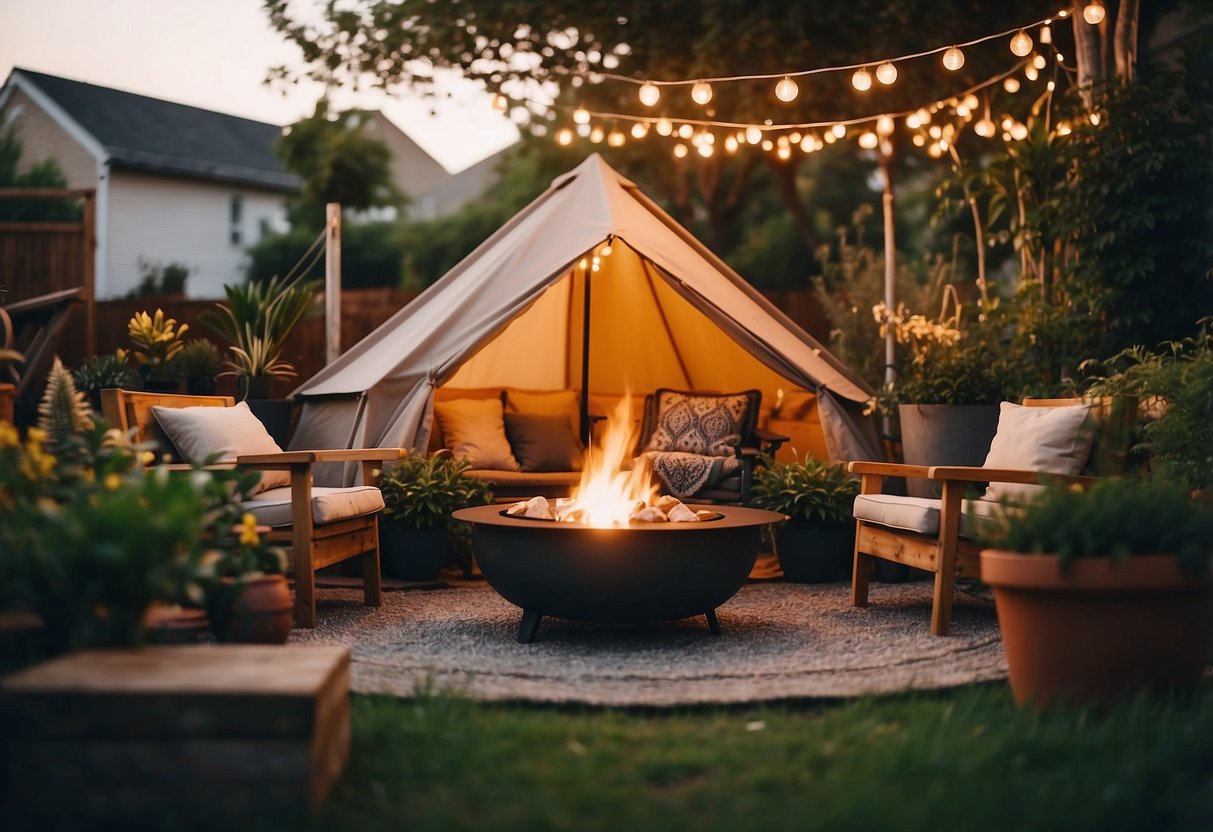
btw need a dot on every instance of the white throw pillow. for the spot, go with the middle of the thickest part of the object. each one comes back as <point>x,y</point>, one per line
<point>1055,440</point>
<point>474,430</point>
<point>198,432</point>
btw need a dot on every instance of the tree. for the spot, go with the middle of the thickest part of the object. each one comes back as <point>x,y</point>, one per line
<point>338,162</point>
<point>45,174</point>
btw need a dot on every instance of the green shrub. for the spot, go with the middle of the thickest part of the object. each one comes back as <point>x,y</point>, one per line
<point>809,492</point>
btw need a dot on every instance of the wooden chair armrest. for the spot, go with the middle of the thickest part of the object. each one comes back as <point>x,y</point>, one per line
<point>185,466</point>
<point>288,458</point>
<point>743,452</point>
<point>974,474</point>
<point>889,469</point>
<point>769,441</point>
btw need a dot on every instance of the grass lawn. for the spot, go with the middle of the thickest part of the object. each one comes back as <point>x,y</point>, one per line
<point>965,759</point>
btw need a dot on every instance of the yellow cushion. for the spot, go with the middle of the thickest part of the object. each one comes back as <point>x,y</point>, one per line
<point>474,429</point>
<point>543,402</point>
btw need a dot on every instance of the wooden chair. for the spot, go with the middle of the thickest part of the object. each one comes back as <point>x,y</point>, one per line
<point>314,545</point>
<point>755,443</point>
<point>942,542</point>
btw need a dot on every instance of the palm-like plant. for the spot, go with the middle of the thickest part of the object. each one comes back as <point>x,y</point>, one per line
<point>255,322</point>
<point>155,341</point>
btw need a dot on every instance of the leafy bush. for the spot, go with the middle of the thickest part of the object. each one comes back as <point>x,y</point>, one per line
<point>256,321</point>
<point>103,371</point>
<point>1114,518</point>
<point>810,492</point>
<point>200,357</point>
<point>421,491</point>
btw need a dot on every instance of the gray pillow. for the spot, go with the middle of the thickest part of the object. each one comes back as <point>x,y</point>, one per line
<point>543,442</point>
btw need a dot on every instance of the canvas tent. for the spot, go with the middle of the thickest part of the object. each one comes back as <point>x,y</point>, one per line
<point>663,312</point>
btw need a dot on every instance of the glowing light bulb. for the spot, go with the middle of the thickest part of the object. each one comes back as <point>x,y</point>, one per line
<point>701,93</point>
<point>1063,128</point>
<point>839,131</point>
<point>1031,73</point>
<point>884,125</point>
<point>680,151</point>
<point>953,58</point>
<point>605,251</point>
<point>868,141</point>
<point>971,101</point>
<point>1008,123</point>
<point>615,139</point>
<point>649,94</point>
<point>705,150</point>
<point>830,138</point>
<point>913,122</point>
<point>919,140</point>
<point>768,145</point>
<point>500,102</point>
<point>753,135</point>
<point>1093,13</point>
<point>861,80</point>
<point>583,264</point>
<point>639,130</point>
<point>784,153</point>
<point>1094,118</point>
<point>786,89</point>
<point>807,145</point>
<point>581,116</point>
<point>795,137</point>
<point>1021,43</point>
<point>1052,85</point>
<point>1046,34</point>
<point>664,126</point>
<point>886,73</point>
<point>963,111</point>
<point>685,131</point>
<point>597,135</point>
<point>1060,57</point>
<point>935,131</point>
<point>1011,85</point>
<point>935,151</point>
<point>984,128</point>
<point>730,144</point>
<point>1019,131</point>
<point>1039,62</point>
<point>564,136</point>
<point>924,115</point>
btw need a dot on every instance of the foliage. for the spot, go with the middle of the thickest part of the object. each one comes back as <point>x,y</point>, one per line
<point>160,279</point>
<point>244,551</point>
<point>155,344</point>
<point>91,535</point>
<point>1175,388</point>
<point>45,174</point>
<point>1114,518</point>
<point>256,321</point>
<point>200,358</point>
<point>371,255</point>
<point>63,411</point>
<point>421,491</point>
<point>339,162</point>
<point>99,372</point>
<point>812,492</point>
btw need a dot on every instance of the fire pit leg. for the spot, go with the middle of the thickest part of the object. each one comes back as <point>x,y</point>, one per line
<point>528,626</point>
<point>713,623</point>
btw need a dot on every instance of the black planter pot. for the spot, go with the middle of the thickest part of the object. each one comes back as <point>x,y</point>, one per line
<point>815,555</point>
<point>410,554</point>
<point>200,385</point>
<point>254,387</point>
<point>152,385</point>
<point>276,415</point>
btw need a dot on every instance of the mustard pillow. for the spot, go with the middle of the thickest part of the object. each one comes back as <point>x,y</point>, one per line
<point>474,430</point>
<point>543,402</point>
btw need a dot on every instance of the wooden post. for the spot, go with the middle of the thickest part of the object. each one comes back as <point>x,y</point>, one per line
<point>332,282</point>
<point>90,273</point>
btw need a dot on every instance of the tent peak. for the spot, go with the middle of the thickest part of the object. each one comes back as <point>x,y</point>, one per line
<point>592,165</point>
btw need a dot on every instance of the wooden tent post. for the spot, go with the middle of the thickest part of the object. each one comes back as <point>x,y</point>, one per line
<point>332,282</point>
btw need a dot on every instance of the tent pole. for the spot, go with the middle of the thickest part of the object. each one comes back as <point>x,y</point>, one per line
<point>585,360</point>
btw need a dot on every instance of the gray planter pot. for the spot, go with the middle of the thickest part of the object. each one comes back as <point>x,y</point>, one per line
<point>945,434</point>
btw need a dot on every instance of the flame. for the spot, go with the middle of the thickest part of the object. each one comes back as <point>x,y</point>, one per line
<point>607,495</point>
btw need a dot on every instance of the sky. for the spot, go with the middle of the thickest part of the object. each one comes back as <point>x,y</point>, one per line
<point>215,54</point>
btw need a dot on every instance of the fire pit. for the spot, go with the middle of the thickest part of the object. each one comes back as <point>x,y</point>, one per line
<point>633,572</point>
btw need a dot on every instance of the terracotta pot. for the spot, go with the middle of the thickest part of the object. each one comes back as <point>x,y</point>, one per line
<point>171,624</point>
<point>1102,631</point>
<point>261,611</point>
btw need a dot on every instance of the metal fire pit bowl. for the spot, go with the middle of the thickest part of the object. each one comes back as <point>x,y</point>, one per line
<point>640,572</point>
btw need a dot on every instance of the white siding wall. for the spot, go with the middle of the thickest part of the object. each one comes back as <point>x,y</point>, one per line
<point>166,220</point>
<point>42,138</point>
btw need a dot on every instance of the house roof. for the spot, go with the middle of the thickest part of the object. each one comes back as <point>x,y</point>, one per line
<point>150,134</point>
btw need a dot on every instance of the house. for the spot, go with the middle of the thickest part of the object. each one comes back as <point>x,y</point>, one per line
<point>174,183</point>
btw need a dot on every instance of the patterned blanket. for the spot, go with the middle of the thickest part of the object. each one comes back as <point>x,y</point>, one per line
<point>684,474</point>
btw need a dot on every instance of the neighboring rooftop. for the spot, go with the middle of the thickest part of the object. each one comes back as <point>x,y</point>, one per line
<point>143,133</point>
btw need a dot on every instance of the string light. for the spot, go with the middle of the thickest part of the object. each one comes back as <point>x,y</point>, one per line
<point>1011,85</point>
<point>839,131</point>
<point>1039,61</point>
<point>500,102</point>
<point>786,89</point>
<point>1019,131</point>
<point>1030,72</point>
<point>1093,13</point>
<point>649,94</point>
<point>767,144</point>
<point>705,150</point>
<point>884,125</point>
<point>664,126</point>
<point>597,134</point>
<point>985,126</point>
<point>565,136</point>
<point>861,80</point>
<point>784,153</point>
<point>685,131</point>
<point>953,58</point>
<point>639,130</point>
<point>581,115</point>
<point>1046,34</point>
<point>730,144</point>
<point>753,135</point>
<point>1021,44</point>
<point>680,151</point>
<point>868,141</point>
<point>583,130</point>
<point>886,73</point>
<point>615,139</point>
<point>701,93</point>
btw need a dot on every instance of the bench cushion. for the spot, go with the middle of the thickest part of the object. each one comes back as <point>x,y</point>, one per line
<point>273,507</point>
<point>921,514</point>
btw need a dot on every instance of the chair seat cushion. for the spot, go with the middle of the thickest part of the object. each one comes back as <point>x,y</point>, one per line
<point>921,514</point>
<point>273,507</point>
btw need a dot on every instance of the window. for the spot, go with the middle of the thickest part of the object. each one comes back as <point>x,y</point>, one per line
<point>236,220</point>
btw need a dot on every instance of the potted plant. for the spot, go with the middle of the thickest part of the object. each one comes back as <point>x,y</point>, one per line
<point>818,539</point>
<point>1103,593</point>
<point>101,372</point>
<point>249,601</point>
<point>200,362</point>
<point>156,340</point>
<point>416,530</point>
<point>255,322</point>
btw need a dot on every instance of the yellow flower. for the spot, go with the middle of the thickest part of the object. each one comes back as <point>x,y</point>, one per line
<point>36,436</point>
<point>147,457</point>
<point>248,532</point>
<point>113,481</point>
<point>8,435</point>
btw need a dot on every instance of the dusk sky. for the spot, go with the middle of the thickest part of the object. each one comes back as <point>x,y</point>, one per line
<point>215,55</point>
